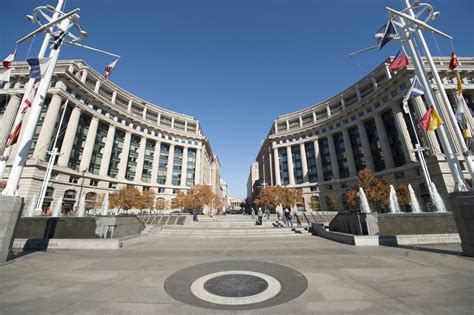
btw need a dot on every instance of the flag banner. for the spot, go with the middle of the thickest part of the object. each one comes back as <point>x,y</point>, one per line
<point>459,83</point>
<point>400,61</point>
<point>58,39</point>
<point>38,67</point>
<point>431,120</point>
<point>13,136</point>
<point>415,90</point>
<point>5,75</point>
<point>29,100</point>
<point>109,68</point>
<point>7,61</point>
<point>385,34</point>
<point>454,62</point>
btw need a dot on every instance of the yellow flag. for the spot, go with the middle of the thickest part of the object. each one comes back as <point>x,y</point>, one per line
<point>435,120</point>
<point>459,82</point>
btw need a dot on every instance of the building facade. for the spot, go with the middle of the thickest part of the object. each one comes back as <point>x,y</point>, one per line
<point>320,149</point>
<point>109,139</point>
<point>252,181</point>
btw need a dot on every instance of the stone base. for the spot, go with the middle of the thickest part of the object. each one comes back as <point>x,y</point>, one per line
<point>10,209</point>
<point>463,212</point>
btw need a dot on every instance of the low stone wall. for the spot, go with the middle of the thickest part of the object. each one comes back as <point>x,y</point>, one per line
<point>77,228</point>
<point>463,211</point>
<point>393,224</point>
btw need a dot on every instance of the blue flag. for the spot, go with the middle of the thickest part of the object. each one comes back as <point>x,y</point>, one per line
<point>38,67</point>
<point>385,34</point>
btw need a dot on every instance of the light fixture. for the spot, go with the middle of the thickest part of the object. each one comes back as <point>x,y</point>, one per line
<point>31,18</point>
<point>435,15</point>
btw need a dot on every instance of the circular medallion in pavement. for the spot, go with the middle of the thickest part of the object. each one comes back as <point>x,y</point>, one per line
<point>237,285</point>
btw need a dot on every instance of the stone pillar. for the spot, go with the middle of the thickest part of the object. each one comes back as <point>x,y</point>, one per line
<point>382,134</point>
<point>46,134</point>
<point>109,144</point>
<point>319,161</point>
<point>429,137</point>
<point>403,133</point>
<point>369,161</point>
<point>140,160</point>
<point>169,170</point>
<point>349,153</point>
<point>198,173</point>
<point>332,152</point>
<point>89,144</point>
<point>304,163</point>
<point>156,163</point>
<point>291,174</point>
<point>9,119</point>
<point>270,167</point>
<point>122,167</point>
<point>9,217</point>
<point>277,167</point>
<point>69,137</point>
<point>184,167</point>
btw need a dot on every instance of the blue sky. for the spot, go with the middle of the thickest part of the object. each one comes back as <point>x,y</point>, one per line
<point>235,65</point>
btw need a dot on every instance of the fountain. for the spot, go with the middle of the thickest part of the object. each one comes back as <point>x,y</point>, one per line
<point>105,204</point>
<point>415,206</point>
<point>31,206</point>
<point>393,201</point>
<point>437,200</point>
<point>57,207</point>
<point>81,208</point>
<point>364,203</point>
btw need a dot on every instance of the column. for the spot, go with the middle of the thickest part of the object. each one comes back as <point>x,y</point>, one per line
<point>156,162</point>
<point>332,154</point>
<point>382,135</point>
<point>403,133</point>
<point>69,137</point>
<point>304,163</point>
<point>291,174</point>
<point>184,167</point>
<point>109,144</point>
<point>89,144</point>
<point>46,134</point>
<point>169,170</point>
<point>349,153</point>
<point>369,161</point>
<point>122,167</point>
<point>140,160</point>
<point>8,119</point>
<point>197,175</point>
<point>429,137</point>
<point>449,126</point>
<point>270,167</point>
<point>319,162</point>
<point>277,167</point>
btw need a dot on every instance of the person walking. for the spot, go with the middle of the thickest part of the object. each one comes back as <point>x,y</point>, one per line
<point>289,223</point>
<point>259,216</point>
<point>278,215</point>
<point>267,213</point>
<point>253,214</point>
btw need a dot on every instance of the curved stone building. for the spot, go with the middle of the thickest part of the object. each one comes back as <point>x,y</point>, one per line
<point>320,149</point>
<point>109,139</point>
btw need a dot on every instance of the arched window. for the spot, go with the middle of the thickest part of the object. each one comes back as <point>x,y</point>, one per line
<point>160,203</point>
<point>70,194</point>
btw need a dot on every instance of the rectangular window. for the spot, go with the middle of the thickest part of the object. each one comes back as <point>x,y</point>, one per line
<point>97,151</point>
<point>117,149</point>
<point>163,163</point>
<point>341,155</point>
<point>148,161</point>
<point>191,168</point>
<point>393,138</point>
<point>132,157</point>
<point>177,166</point>
<point>283,163</point>
<point>356,145</point>
<point>375,146</point>
<point>79,142</point>
<point>325,158</point>
<point>311,161</point>
<point>297,167</point>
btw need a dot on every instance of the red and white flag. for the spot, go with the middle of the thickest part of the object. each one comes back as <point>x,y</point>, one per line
<point>5,75</point>
<point>400,61</point>
<point>13,136</point>
<point>109,68</point>
<point>29,100</point>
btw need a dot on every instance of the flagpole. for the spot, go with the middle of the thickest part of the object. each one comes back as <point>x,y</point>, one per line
<point>452,160</point>
<point>49,169</point>
<point>28,87</point>
<point>35,111</point>
<point>447,105</point>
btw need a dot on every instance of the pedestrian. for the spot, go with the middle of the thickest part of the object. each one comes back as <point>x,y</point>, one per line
<point>259,216</point>
<point>253,214</point>
<point>278,215</point>
<point>267,213</point>
<point>288,218</point>
<point>195,216</point>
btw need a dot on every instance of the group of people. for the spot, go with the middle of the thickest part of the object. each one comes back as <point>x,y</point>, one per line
<point>287,214</point>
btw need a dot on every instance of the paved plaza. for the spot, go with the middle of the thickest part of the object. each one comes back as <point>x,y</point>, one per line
<point>315,275</point>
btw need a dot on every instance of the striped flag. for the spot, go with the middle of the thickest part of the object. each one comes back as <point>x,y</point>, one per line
<point>431,120</point>
<point>5,75</point>
<point>38,67</point>
<point>109,68</point>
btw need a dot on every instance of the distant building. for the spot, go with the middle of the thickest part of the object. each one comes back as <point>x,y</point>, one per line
<point>236,202</point>
<point>252,182</point>
<point>225,196</point>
